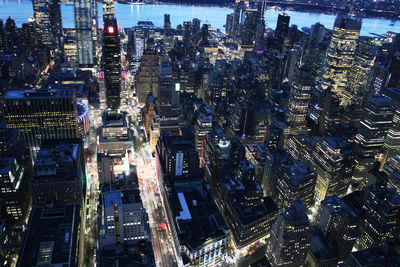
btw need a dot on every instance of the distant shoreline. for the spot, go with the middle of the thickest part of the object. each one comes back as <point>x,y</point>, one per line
<point>288,7</point>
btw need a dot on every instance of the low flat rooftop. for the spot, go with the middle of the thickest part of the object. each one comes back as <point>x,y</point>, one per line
<point>51,236</point>
<point>39,93</point>
<point>197,216</point>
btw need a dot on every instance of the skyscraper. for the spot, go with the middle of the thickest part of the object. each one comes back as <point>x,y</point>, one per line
<point>381,220</point>
<point>392,169</point>
<point>11,32</point>
<point>281,31</point>
<point>42,114</point>
<point>204,34</point>
<point>15,171</point>
<point>108,9</point>
<point>167,24</point>
<point>299,100</point>
<point>315,49</point>
<point>47,15</point>
<point>204,124</point>
<point>334,162</point>
<point>358,74</point>
<point>59,173</point>
<point>146,79</point>
<point>340,53</point>
<point>340,225</point>
<point>290,237</point>
<point>248,31</point>
<point>84,32</point>
<point>112,63</point>
<point>369,140</point>
<point>2,37</point>
<point>295,182</point>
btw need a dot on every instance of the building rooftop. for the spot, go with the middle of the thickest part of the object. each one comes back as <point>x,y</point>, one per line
<point>320,250</point>
<point>197,217</point>
<point>337,205</point>
<point>121,197</point>
<point>299,172</point>
<point>387,255</point>
<point>39,93</point>
<point>139,254</point>
<point>6,164</point>
<point>249,214</point>
<point>57,160</point>
<point>51,237</point>
<point>296,213</point>
<point>113,119</point>
<point>336,142</point>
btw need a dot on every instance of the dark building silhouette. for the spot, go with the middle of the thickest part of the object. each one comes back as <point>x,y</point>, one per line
<point>112,64</point>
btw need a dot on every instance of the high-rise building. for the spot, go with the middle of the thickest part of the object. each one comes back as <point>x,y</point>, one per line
<point>177,159</point>
<point>229,24</point>
<point>259,41</point>
<point>386,255</point>
<point>11,32</point>
<point>340,225</point>
<point>334,164</point>
<point>381,220</point>
<point>340,53</point>
<point>168,116</point>
<point>108,9</point>
<point>290,237</point>
<point>315,50</point>
<point>84,32</point>
<point>204,34</point>
<point>47,15</point>
<point>391,144</point>
<point>3,45</point>
<point>392,169</point>
<point>248,31</point>
<point>29,36</point>
<point>295,182</point>
<point>204,124</point>
<point>59,174</point>
<point>125,219</point>
<point>16,167</point>
<point>195,26</point>
<point>167,24</point>
<point>238,19</point>
<point>112,64</point>
<point>42,114</point>
<point>147,76</point>
<point>358,74</point>
<point>281,31</point>
<point>299,100</point>
<point>369,140</point>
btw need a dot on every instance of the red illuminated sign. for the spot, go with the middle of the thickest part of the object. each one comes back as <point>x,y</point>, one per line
<point>110,29</point>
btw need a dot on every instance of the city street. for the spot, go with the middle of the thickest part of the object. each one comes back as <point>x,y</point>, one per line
<point>151,197</point>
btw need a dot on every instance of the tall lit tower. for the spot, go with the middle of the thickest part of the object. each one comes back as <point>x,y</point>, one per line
<point>108,9</point>
<point>375,124</point>
<point>340,53</point>
<point>290,237</point>
<point>84,32</point>
<point>167,24</point>
<point>281,31</point>
<point>112,63</point>
<point>299,100</point>
<point>47,15</point>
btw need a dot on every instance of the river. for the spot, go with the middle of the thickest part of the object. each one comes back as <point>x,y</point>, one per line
<point>129,15</point>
